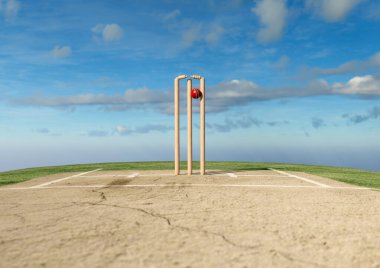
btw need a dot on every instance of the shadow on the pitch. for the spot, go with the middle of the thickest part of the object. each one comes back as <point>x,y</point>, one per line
<point>120,182</point>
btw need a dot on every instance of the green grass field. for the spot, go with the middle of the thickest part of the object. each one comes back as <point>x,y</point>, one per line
<point>348,175</point>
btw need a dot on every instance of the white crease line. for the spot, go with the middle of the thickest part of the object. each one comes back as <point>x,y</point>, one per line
<point>62,179</point>
<point>189,185</point>
<point>183,185</point>
<point>301,178</point>
<point>154,175</point>
<point>126,175</point>
<point>185,174</point>
<point>134,175</point>
<point>109,175</point>
<point>247,175</point>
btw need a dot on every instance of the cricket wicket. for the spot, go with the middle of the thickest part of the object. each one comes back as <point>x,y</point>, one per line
<point>189,124</point>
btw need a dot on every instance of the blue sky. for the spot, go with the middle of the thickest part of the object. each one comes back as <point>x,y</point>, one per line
<point>287,81</point>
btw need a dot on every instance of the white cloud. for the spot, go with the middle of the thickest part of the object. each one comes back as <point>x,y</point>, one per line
<point>191,32</point>
<point>132,97</point>
<point>220,97</point>
<point>282,62</point>
<point>98,28</point>
<point>235,93</point>
<point>191,35</point>
<point>272,15</point>
<point>215,33</point>
<point>9,9</point>
<point>363,85</point>
<point>123,130</point>
<point>321,54</point>
<point>269,51</point>
<point>61,52</point>
<point>109,32</point>
<point>112,32</point>
<point>347,67</point>
<point>373,12</point>
<point>171,15</point>
<point>332,10</point>
<point>236,89</point>
<point>196,32</point>
<point>374,60</point>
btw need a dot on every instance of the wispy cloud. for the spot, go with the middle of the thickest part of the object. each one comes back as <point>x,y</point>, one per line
<point>61,52</point>
<point>220,97</point>
<point>109,32</point>
<point>347,67</point>
<point>374,113</point>
<point>131,97</point>
<point>97,133</point>
<point>240,92</point>
<point>9,9</point>
<point>317,122</point>
<point>373,11</point>
<point>100,82</point>
<point>229,124</point>
<point>282,62</point>
<point>46,131</point>
<point>223,5</point>
<point>332,10</point>
<point>123,130</point>
<point>171,15</point>
<point>191,35</point>
<point>195,32</point>
<point>272,15</point>
<point>215,33</point>
<point>242,122</point>
<point>321,54</point>
<point>43,130</point>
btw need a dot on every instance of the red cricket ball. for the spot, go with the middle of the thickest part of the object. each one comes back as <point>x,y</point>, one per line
<point>196,93</point>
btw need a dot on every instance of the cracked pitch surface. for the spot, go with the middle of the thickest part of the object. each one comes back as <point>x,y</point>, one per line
<point>189,227</point>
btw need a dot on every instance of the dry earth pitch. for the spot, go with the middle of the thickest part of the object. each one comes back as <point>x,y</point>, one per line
<point>153,219</point>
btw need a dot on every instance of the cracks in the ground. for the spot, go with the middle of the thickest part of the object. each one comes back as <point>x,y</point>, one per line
<point>159,178</point>
<point>10,206</point>
<point>222,236</point>
<point>167,220</point>
<point>179,227</point>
